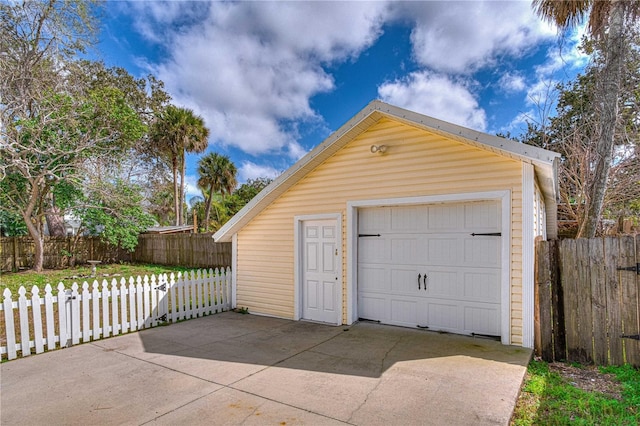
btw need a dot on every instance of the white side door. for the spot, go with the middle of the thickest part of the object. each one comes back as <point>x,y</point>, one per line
<point>320,270</point>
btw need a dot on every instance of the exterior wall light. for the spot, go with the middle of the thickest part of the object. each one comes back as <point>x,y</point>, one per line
<point>380,149</point>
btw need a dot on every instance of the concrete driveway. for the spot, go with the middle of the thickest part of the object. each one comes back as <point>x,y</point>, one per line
<point>244,369</point>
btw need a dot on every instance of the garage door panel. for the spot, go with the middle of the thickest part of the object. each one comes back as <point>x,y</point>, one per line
<point>373,220</point>
<point>482,251</point>
<point>404,281</point>
<point>375,250</point>
<point>480,286</point>
<point>482,216</point>
<point>442,284</point>
<point>445,217</point>
<point>374,279</point>
<point>443,251</point>
<point>410,219</point>
<point>443,316</point>
<point>404,250</point>
<point>482,320</point>
<point>374,308</point>
<point>463,288</point>
<point>404,312</point>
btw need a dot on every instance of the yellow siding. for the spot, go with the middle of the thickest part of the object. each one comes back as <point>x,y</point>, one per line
<point>417,163</point>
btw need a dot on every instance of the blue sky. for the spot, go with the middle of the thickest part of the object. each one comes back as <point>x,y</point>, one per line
<point>274,79</point>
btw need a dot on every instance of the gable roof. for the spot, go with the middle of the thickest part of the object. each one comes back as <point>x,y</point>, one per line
<point>543,161</point>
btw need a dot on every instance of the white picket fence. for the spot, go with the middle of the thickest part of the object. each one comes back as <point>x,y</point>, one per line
<point>91,312</point>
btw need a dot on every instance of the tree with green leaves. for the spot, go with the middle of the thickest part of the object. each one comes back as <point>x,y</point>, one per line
<point>115,213</point>
<point>160,199</point>
<point>246,192</point>
<point>11,224</point>
<point>176,132</point>
<point>610,25</point>
<point>217,174</point>
<point>53,124</point>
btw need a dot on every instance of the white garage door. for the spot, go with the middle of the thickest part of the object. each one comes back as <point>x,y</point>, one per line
<point>435,266</point>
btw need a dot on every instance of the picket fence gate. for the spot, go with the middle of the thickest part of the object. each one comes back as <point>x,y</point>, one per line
<point>88,313</point>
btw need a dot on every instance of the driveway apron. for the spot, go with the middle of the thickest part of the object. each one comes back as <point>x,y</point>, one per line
<point>231,369</point>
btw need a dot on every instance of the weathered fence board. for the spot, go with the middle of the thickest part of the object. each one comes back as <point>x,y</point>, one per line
<point>188,250</point>
<point>612,286</point>
<point>629,290</point>
<point>543,300</point>
<point>85,313</point>
<point>598,300</point>
<point>599,295</point>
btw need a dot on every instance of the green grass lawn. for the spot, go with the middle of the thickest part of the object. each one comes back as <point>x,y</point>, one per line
<point>561,394</point>
<point>13,280</point>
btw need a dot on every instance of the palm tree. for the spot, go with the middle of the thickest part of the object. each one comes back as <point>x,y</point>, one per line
<point>607,25</point>
<point>176,132</point>
<point>217,175</point>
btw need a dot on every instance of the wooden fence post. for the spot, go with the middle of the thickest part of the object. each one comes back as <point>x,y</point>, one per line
<point>543,301</point>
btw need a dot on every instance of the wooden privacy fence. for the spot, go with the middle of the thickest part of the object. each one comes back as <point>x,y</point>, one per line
<point>588,300</point>
<point>37,322</point>
<point>59,252</point>
<point>188,250</point>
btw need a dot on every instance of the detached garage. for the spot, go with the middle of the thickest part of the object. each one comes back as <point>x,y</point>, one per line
<point>402,219</point>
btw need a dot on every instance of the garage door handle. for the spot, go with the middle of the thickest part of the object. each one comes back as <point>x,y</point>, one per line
<point>419,276</point>
<point>425,282</point>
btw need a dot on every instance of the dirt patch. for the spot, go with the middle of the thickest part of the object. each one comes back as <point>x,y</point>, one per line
<point>589,379</point>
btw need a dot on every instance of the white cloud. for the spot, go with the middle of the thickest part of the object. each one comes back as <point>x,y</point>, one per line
<point>565,55</point>
<point>463,36</point>
<point>246,67</point>
<point>542,93</point>
<point>160,14</point>
<point>519,123</point>
<point>250,170</point>
<point>191,187</point>
<point>251,68</point>
<point>435,95</point>
<point>512,82</point>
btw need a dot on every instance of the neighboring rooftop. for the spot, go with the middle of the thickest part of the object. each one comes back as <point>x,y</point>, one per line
<point>185,229</point>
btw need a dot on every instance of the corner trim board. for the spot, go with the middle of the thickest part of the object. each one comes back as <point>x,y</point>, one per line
<point>528,254</point>
<point>234,271</point>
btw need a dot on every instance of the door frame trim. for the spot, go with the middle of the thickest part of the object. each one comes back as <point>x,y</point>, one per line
<point>298,253</point>
<point>502,196</point>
